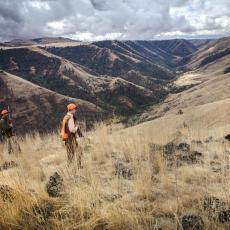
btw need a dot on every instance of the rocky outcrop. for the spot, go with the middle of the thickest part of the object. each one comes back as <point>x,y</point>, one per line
<point>55,187</point>
<point>112,197</point>
<point>6,193</point>
<point>192,222</point>
<point>178,153</point>
<point>124,171</point>
<point>217,209</point>
<point>7,165</point>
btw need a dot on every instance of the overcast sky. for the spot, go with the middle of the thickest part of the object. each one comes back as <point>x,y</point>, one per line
<point>114,19</point>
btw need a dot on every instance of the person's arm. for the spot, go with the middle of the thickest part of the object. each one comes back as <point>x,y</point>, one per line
<point>10,124</point>
<point>72,127</point>
<point>79,133</point>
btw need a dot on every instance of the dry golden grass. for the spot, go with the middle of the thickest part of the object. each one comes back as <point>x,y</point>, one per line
<point>96,198</point>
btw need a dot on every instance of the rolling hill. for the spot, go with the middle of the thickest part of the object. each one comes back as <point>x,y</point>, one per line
<point>37,108</point>
<point>71,79</point>
<point>124,77</point>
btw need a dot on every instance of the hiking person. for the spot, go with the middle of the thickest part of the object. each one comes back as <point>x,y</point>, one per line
<point>69,132</point>
<point>6,129</point>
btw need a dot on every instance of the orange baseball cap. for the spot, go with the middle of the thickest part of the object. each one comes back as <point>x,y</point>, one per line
<point>4,111</point>
<point>71,107</point>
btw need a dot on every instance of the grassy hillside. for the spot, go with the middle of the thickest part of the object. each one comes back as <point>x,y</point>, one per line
<point>130,178</point>
<point>167,173</point>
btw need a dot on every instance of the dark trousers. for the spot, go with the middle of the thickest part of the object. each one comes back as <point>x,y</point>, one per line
<point>12,145</point>
<point>73,151</point>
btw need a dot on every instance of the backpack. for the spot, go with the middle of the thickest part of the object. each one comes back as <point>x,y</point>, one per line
<point>63,129</point>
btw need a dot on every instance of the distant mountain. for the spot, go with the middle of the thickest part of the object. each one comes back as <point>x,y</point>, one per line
<point>37,41</point>
<point>18,42</point>
<point>47,40</point>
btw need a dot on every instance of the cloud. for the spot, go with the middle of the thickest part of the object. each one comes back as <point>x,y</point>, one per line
<point>109,19</point>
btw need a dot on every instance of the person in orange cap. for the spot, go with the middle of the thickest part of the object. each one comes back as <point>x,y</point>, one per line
<point>69,132</point>
<point>6,129</point>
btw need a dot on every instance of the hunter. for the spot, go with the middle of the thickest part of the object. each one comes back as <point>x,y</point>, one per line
<point>69,132</point>
<point>6,129</point>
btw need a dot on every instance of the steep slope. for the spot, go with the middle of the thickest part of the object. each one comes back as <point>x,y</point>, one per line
<point>177,47</point>
<point>74,80</point>
<point>198,122</point>
<point>117,62</point>
<point>163,52</point>
<point>210,54</point>
<point>147,51</point>
<point>36,108</point>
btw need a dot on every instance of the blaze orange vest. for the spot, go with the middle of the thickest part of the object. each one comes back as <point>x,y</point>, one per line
<point>63,131</point>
